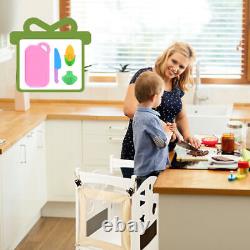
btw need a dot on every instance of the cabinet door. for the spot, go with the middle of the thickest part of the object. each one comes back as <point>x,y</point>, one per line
<point>23,173</point>
<point>100,140</point>
<point>64,154</point>
<point>14,195</point>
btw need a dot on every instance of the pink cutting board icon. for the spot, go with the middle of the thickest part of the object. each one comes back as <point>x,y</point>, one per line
<point>37,65</point>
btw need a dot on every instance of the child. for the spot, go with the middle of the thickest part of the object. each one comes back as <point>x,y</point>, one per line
<point>150,135</point>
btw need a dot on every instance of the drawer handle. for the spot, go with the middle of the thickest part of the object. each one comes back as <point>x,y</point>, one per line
<point>115,139</point>
<point>117,128</point>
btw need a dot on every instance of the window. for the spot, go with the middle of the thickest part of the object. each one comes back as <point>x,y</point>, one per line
<point>137,31</point>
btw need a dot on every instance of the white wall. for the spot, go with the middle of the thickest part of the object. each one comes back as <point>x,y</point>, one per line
<point>47,11</point>
<point>43,9</point>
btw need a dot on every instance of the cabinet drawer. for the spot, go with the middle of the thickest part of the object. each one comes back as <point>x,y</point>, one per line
<point>97,149</point>
<point>105,127</point>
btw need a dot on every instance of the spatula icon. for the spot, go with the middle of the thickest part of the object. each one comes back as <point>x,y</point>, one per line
<point>57,64</point>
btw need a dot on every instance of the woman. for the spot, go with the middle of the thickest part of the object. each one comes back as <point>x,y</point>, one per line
<point>175,67</point>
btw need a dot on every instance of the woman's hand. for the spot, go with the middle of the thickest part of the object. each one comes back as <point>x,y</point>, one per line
<point>172,126</point>
<point>193,141</point>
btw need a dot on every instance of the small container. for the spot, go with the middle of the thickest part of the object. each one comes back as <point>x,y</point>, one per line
<point>248,135</point>
<point>227,143</point>
<point>243,169</point>
<point>235,127</point>
<point>210,141</point>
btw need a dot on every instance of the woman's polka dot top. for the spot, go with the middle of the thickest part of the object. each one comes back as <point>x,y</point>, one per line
<point>169,108</point>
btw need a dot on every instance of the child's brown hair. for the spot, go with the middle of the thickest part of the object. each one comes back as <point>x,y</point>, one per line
<point>147,85</point>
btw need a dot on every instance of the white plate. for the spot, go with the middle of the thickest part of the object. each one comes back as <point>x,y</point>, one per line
<point>232,157</point>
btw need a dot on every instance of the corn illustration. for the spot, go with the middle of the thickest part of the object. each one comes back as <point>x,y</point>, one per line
<point>69,56</point>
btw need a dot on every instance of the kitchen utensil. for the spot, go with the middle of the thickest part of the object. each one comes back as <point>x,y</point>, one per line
<point>57,64</point>
<point>37,63</point>
<point>186,145</point>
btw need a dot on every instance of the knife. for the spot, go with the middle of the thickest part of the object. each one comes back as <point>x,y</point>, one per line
<point>57,64</point>
<point>186,145</point>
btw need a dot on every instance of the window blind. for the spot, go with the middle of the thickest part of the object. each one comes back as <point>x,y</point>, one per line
<point>135,32</point>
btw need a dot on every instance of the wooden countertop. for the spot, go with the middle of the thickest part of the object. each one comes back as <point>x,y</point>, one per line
<point>208,182</point>
<point>14,125</point>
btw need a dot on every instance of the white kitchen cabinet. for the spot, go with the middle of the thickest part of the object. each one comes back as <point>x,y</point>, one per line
<point>64,154</point>
<point>84,144</point>
<point>100,139</point>
<point>22,188</point>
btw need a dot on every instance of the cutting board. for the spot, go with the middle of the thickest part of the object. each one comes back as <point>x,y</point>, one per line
<point>183,156</point>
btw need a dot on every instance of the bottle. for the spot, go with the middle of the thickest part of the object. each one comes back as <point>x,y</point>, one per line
<point>227,143</point>
<point>248,135</point>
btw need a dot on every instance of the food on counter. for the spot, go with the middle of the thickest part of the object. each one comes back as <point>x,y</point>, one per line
<point>196,153</point>
<point>221,158</point>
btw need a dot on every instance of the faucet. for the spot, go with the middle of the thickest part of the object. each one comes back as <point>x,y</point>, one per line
<point>196,98</point>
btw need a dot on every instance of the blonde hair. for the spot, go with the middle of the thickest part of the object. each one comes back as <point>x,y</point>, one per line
<point>147,85</point>
<point>186,50</point>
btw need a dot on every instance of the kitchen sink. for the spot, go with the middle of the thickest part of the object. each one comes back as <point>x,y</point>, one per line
<point>208,119</point>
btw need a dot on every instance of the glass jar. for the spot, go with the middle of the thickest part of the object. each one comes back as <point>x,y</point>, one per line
<point>227,143</point>
<point>235,127</point>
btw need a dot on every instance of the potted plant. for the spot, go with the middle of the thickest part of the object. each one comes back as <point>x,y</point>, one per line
<point>123,74</point>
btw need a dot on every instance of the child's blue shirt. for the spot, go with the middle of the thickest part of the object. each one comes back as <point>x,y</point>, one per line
<point>150,141</point>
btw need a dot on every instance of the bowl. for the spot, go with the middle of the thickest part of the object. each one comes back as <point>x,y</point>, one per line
<point>210,141</point>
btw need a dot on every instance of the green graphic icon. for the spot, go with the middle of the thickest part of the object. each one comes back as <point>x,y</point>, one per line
<point>69,78</point>
<point>40,54</point>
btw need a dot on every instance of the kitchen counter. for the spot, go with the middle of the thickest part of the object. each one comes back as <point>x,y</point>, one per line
<point>201,209</point>
<point>205,182</point>
<point>14,125</point>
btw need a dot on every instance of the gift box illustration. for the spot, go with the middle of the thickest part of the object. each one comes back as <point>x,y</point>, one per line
<point>50,60</point>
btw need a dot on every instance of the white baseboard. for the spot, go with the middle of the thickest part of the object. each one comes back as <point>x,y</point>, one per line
<point>59,209</point>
